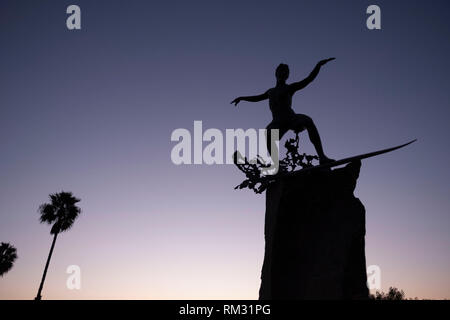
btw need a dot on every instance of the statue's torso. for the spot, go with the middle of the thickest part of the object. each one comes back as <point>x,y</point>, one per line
<point>280,102</point>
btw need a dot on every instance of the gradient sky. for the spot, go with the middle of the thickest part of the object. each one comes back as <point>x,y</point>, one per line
<point>92,111</point>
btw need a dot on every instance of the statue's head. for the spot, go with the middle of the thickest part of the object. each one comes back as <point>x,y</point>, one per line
<point>282,72</point>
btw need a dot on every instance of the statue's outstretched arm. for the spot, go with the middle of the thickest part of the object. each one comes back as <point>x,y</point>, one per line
<point>257,98</point>
<point>301,84</point>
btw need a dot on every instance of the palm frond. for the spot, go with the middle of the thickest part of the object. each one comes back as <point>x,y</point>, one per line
<point>48,214</point>
<point>62,211</point>
<point>8,254</point>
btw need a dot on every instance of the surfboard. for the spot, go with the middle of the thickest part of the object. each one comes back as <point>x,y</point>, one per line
<point>259,183</point>
<point>334,163</point>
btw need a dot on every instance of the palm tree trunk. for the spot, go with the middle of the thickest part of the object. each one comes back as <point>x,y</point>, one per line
<point>38,297</point>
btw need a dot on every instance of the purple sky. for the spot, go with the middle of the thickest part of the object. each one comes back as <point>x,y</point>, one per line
<point>92,111</point>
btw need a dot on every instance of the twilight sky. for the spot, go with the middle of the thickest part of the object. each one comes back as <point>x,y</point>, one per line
<point>91,111</point>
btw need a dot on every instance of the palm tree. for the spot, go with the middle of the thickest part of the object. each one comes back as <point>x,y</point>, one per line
<point>61,212</point>
<point>7,256</point>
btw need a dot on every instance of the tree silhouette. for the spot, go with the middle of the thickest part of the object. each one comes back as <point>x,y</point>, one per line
<point>392,294</point>
<point>7,256</point>
<point>61,212</point>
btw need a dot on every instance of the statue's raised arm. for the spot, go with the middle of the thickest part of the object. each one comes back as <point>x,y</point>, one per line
<point>301,84</point>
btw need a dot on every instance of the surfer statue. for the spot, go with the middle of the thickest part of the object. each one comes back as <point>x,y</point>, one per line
<point>304,201</point>
<point>284,118</point>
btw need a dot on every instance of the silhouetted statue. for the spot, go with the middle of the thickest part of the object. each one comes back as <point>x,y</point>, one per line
<point>314,225</point>
<point>284,118</point>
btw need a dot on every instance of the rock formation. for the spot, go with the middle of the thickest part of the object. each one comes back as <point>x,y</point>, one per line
<point>314,237</point>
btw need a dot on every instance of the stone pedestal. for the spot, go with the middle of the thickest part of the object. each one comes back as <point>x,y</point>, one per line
<point>314,234</point>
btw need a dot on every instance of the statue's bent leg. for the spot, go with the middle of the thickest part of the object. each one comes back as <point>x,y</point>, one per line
<point>271,140</point>
<point>304,122</point>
